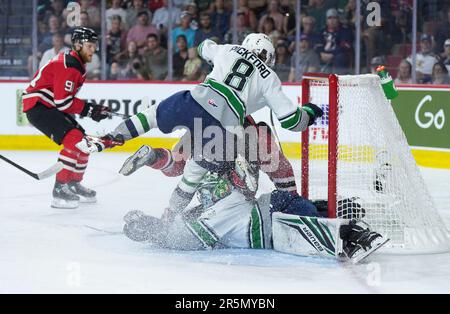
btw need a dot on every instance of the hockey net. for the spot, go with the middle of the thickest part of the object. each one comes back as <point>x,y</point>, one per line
<point>356,154</point>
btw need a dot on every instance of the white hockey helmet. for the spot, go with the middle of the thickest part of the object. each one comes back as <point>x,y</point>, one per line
<point>261,45</point>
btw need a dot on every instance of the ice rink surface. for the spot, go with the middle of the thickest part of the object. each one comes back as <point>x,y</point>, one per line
<point>46,250</point>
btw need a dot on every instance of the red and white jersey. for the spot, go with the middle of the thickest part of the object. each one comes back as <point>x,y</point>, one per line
<point>56,84</point>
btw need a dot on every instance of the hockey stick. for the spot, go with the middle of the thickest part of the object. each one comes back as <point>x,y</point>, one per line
<point>275,132</point>
<point>38,176</point>
<point>116,114</point>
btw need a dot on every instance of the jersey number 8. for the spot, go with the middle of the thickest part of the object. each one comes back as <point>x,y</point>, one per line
<point>239,74</point>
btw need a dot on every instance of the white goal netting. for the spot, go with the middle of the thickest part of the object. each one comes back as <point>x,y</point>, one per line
<point>375,167</point>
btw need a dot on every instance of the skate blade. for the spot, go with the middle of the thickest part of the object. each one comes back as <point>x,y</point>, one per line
<point>64,204</point>
<point>87,200</point>
<point>130,164</point>
<point>364,255</point>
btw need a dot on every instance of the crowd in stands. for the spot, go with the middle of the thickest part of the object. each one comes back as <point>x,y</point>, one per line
<point>137,36</point>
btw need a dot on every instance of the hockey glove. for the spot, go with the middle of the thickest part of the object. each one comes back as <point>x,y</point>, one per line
<point>313,112</point>
<point>95,112</point>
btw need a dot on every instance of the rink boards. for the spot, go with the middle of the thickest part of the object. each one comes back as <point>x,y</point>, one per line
<point>421,110</point>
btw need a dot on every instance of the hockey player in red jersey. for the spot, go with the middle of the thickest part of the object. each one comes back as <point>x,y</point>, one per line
<point>50,102</point>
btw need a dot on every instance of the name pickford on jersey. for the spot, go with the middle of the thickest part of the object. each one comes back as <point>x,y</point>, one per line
<point>240,84</point>
<point>250,56</point>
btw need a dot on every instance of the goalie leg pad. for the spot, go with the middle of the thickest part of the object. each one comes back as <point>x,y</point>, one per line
<point>307,236</point>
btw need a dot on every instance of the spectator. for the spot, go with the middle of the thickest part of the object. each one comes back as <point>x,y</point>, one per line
<point>220,17</point>
<point>191,8</point>
<point>84,19</point>
<point>130,63</point>
<point>442,33</point>
<point>180,58</point>
<point>204,5</point>
<point>283,60</point>
<point>184,29</point>
<point>349,12</point>
<point>425,60</point>
<point>287,9</point>
<point>155,59</point>
<point>56,8</point>
<point>377,40</point>
<point>440,74</point>
<point>132,12</point>
<point>308,25</point>
<point>242,30</point>
<point>401,22</point>
<point>114,71</point>
<point>318,10</point>
<point>115,39</point>
<point>161,17</point>
<point>274,13</point>
<point>249,15</point>
<point>154,5</point>
<point>307,28</point>
<point>376,62</point>
<point>257,6</point>
<point>139,32</point>
<point>335,48</point>
<point>116,9</point>
<point>181,4</point>
<point>308,60</point>
<point>93,12</point>
<point>205,31</point>
<point>269,29</point>
<point>58,46</point>
<point>446,58</point>
<point>68,39</point>
<point>404,73</point>
<point>47,38</point>
<point>192,66</point>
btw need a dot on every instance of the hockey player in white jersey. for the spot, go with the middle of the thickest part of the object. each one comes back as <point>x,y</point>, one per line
<point>227,218</point>
<point>240,83</point>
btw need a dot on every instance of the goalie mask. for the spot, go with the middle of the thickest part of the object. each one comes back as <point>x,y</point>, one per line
<point>261,45</point>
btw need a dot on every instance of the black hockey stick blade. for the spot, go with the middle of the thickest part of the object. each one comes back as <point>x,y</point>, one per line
<point>38,176</point>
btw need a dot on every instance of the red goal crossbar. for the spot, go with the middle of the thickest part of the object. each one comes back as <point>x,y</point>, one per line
<point>332,82</point>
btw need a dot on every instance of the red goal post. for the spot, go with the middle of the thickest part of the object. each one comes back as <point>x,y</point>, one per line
<point>332,80</point>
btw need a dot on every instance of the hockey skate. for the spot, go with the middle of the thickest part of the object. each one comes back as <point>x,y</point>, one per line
<point>64,197</point>
<point>245,175</point>
<point>144,156</point>
<point>85,195</point>
<point>359,241</point>
<point>144,228</point>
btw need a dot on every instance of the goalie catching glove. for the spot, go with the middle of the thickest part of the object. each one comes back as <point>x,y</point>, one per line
<point>313,112</point>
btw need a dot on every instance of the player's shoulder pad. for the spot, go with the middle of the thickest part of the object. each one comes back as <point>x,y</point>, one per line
<point>72,62</point>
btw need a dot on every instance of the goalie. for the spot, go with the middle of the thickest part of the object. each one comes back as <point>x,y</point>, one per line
<point>227,217</point>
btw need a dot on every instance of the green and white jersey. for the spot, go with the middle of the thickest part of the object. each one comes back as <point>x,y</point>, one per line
<point>240,84</point>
